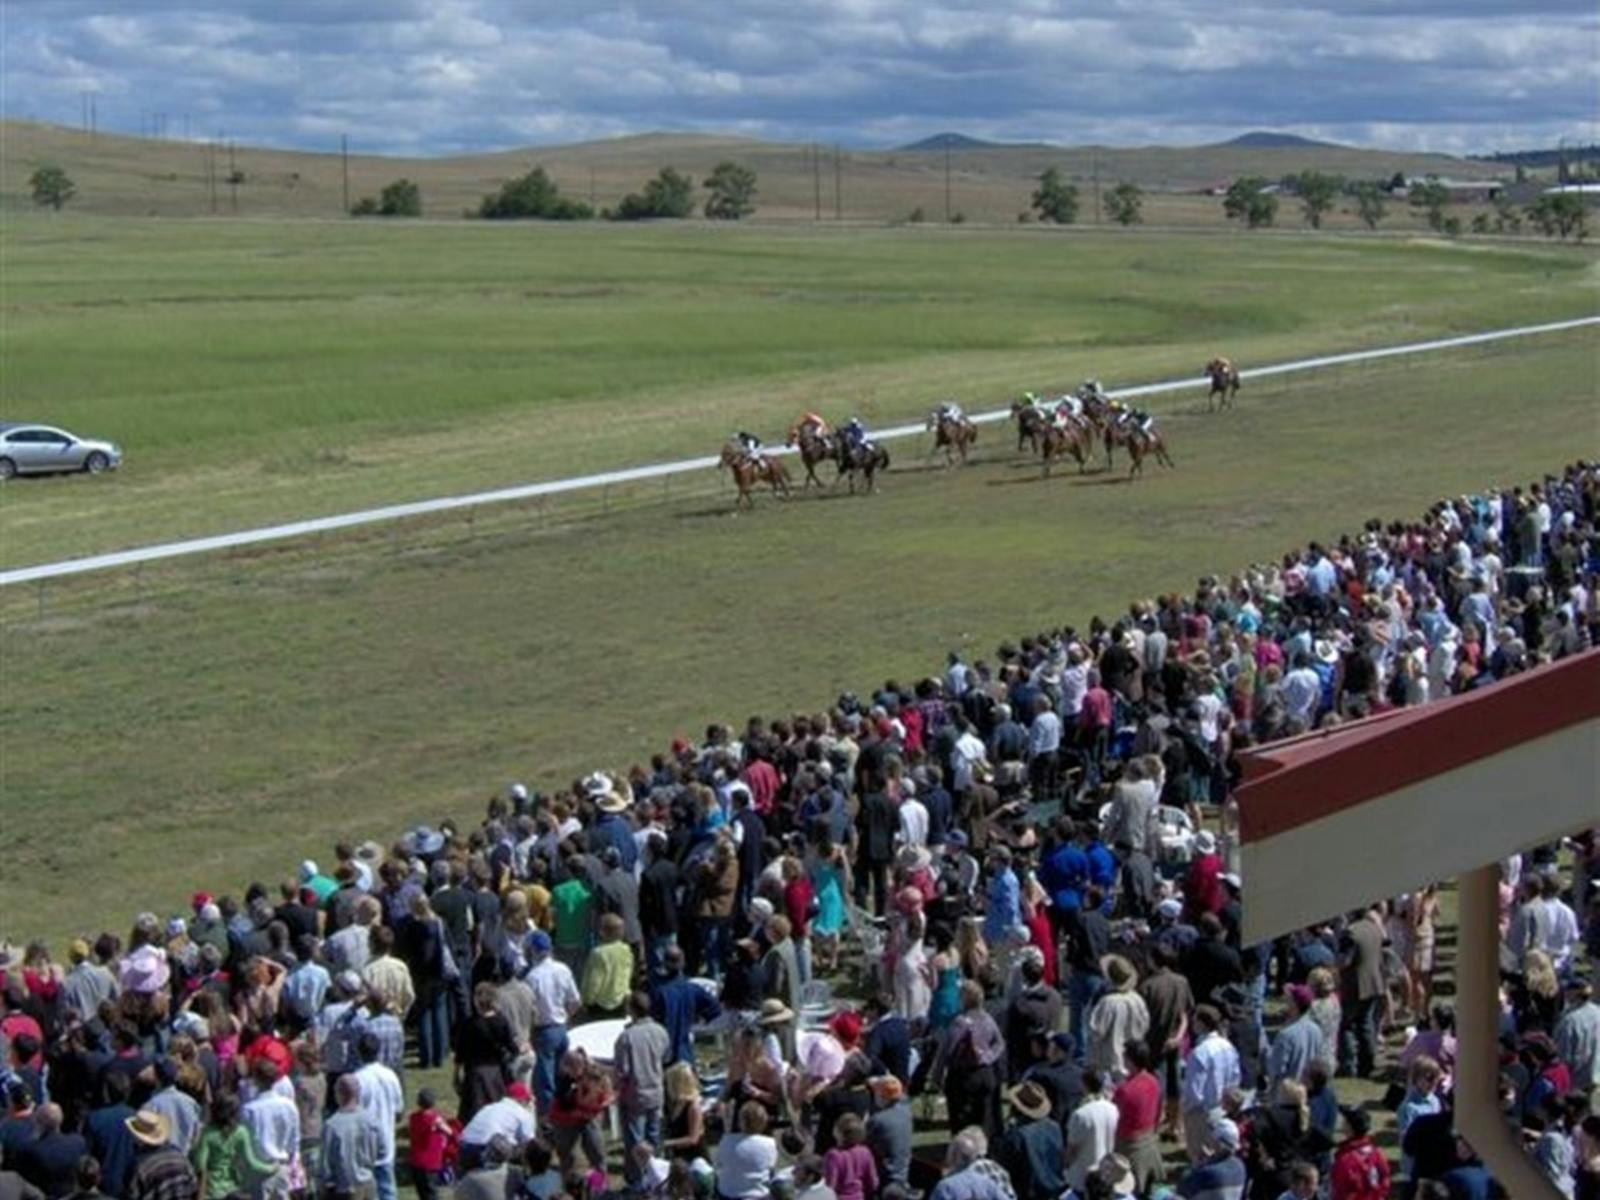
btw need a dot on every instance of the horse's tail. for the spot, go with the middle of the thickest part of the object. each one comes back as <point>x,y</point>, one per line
<point>883,458</point>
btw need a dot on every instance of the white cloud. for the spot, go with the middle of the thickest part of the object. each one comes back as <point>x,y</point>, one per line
<point>446,75</point>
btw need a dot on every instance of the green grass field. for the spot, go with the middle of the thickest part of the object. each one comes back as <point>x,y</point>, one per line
<point>266,371</point>
<point>236,714</point>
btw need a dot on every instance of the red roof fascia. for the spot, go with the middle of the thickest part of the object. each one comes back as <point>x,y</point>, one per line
<point>1292,783</point>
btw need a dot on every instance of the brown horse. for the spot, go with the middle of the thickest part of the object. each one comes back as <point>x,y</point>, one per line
<point>748,472</point>
<point>869,458</point>
<point>1031,422</point>
<point>951,434</point>
<point>1144,444</point>
<point>815,445</point>
<point>1061,438</point>
<point>1224,383</point>
<point>1104,422</point>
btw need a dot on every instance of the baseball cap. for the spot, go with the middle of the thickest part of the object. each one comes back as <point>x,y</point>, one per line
<point>539,942</point>
<point>519,1091</point>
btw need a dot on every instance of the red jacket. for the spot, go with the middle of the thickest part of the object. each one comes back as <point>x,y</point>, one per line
<point>434,1139</point>
<point>1360,1171</point>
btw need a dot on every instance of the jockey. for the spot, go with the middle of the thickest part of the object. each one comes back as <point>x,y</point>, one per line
<point>854,433</point>
<point>1090,389</point>
<point>751,445</point>
<point>1068,408</point>
<point>1142,420</point>
<point>814,420</point>
<point>949,410</point>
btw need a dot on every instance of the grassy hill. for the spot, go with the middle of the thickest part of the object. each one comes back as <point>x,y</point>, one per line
<point>128,176</point>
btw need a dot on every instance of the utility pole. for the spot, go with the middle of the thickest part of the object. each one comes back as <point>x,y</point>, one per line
<point>838,185</point>
<point>947,181</point>
<point>94,116</point>
<point>816,178</point>
<point>84,97</point>
<point>1094,167</point>
<point>233,176</point>
<point>344,161</point>
<point>591,187</point>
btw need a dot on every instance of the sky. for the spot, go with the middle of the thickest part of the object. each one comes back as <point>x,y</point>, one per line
<point>433,77</point>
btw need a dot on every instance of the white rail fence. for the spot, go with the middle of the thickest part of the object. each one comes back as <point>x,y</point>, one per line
<point>605,479</point>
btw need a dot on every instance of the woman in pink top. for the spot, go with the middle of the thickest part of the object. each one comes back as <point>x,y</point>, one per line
<point>849,1168</point>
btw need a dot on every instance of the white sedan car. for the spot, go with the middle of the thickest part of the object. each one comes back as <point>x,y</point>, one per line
<point>42,449</point>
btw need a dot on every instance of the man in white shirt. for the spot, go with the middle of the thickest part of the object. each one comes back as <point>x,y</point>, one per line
<point>274,1124</point>
<point>382,1101</point>
<point>967,754</point>
<point>1091,1131</point>
<point>1210,1070</point>
<point>511,1116</point>
<point>913,820</point>
<point>1301,690</point>
<point>555,1002</point>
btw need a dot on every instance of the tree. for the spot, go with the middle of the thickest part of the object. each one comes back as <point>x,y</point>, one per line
<point>532,196</point>
<point>1055,200</point>
<point>1430,197</point>
<point>733,192</point>
<point>1370,205</point>
<point>667,195</point>
<point>1123,203</point>
<point>1506,217</point>
<point>1480,223</point>
<point>52,187</point>
<point>402,198</point>
<point>367,206</point>
<point>1317,194</point>
<point>1560,214</point>
<point>1397,182</point>
<point>1247,201</point>
<point>916,216</point>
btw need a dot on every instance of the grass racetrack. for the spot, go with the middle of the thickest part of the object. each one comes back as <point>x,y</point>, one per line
<point>265,371</point>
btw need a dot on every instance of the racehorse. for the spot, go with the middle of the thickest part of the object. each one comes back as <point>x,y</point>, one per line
<point>815,447</point>
<point>748,472</point>
<point>1224,383</point>
<point>1105,422</point>
<point>1061,438</point>
<point>869,458</point>
<point>1031,422</point>
<point>1143,444</point>
<point>952,434</point>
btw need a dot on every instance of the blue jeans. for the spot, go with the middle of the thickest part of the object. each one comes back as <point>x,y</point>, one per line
<point>715,932</point>
<point>433,1031</point>
<point>383,1181</point>
<point>643,1126</point>
<point>549,1044</point>
<point>1083,989</point>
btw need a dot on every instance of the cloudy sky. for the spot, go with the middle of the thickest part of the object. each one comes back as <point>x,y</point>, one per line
<point>440,76</point>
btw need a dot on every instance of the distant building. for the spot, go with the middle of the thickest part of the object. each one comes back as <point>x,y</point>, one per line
<point>1462,191</point>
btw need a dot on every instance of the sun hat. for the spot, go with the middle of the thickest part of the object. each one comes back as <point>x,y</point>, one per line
<point>1119,972</point>
<point>774,1012</point>
<point>1116,1172</point>
<point>597,784</point>
<point>369,851</point>
<point>611,802</point>
<point>149,1127</point>
<point>1030,1100</point>
<point>1205,842</point>
<point>518,791</point>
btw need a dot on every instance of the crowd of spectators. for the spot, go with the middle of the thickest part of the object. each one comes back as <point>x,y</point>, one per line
<point>977,937</point>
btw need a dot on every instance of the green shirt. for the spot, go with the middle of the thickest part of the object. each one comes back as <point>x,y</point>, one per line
<point>227,1161</point>
<point>573,905</point>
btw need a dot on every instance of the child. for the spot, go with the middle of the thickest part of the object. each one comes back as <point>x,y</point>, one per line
<point>1303,1180</point>
<point>435,1141</point>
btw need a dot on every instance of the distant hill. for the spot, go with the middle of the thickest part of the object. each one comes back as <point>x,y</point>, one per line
<point>1264,139</point>
<point>119,175</point>
<point>949,141</point>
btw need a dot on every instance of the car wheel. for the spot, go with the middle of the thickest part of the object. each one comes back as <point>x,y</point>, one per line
<point>7,468</point>
<point>96,463</point>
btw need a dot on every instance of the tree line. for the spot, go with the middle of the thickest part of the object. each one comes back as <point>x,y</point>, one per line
<point>731,191</point>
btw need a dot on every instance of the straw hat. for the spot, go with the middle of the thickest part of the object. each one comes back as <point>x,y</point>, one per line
<point>149,1127</point>
<point>1119,972</point>
<point>1030,1100</point>
<point>611,802</point>
<point>774,1012</point>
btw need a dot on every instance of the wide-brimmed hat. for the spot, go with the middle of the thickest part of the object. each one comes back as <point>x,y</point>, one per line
<point>149,1127</point>
<point>1205,842</point>
<point>1325,651</point>
<point>1120,973</point>
<point>1030,1100</point>
<point>774,1012</point>
<point>611,802</point>
<point>1116,1172</point>
<point>369,851</point>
